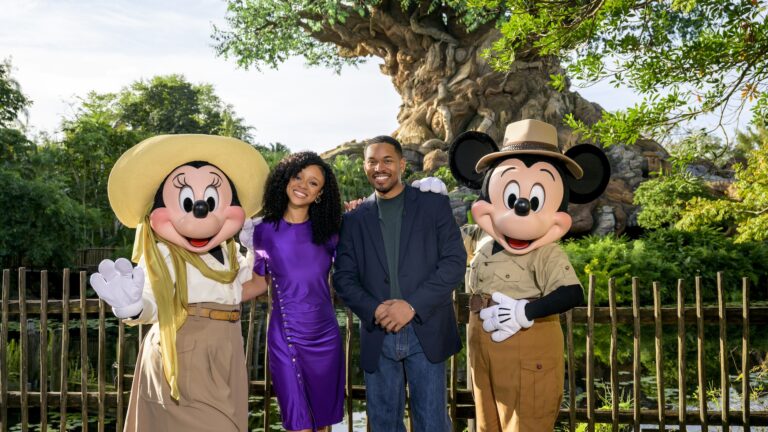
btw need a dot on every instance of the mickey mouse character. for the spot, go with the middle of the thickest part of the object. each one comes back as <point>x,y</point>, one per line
<point>517,273</point>
<point>187,195</point>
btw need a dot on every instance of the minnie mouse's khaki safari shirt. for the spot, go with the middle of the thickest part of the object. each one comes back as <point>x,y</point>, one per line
<point>528,276</point>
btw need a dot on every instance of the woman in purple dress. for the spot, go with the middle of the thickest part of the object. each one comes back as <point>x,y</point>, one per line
<point>294,247</point>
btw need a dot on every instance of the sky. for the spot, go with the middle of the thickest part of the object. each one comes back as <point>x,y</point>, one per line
<point>63,49</point>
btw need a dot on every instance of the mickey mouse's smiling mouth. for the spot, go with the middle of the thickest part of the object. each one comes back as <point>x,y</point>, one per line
<point>198,243</point>
<point>517,244</point>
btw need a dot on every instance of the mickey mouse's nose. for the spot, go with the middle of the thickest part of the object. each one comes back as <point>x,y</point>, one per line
<point>200,209</point>
<point>522,207</point>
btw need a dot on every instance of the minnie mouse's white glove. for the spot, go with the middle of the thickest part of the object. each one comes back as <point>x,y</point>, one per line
<point>430,184</point>
<point>120,285</point>
<point>246,233</point>
<point>506,318</point>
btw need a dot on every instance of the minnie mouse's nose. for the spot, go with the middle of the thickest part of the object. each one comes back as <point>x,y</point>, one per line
<point>200,209</point>
<point>522,207</point>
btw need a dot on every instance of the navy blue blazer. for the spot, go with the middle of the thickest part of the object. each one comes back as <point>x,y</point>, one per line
<point>432,264</point>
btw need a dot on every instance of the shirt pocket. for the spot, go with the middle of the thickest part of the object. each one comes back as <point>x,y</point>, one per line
<point>504,276</point>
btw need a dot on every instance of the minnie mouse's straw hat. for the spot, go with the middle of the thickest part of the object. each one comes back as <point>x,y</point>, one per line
<point>530,137</point>
<point>138,173</point>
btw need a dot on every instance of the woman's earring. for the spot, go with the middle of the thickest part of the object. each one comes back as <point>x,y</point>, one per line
<point>317,200</point>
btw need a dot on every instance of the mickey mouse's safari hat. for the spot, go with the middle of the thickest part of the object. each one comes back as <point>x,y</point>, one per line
<point>138,173</point>
<point>532,137</point>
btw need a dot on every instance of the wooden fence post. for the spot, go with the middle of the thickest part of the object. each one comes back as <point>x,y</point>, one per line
<point>725,381</point>
<point>64,352</point>
<point>659,356</point>
<point>703,420</point>
<point>24,347</point>
<point>44,350</point>
<point>636,356</point>
<point>613,356</point>
<point>591,355</point>
<point>681,368</point>
<point>6,295</point>
<point>83,353</point>
<point>745,367</point>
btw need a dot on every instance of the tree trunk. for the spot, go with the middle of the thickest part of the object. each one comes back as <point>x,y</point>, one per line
<point>452,88</point>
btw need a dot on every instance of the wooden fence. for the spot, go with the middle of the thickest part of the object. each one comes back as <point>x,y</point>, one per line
<point>51,397</point>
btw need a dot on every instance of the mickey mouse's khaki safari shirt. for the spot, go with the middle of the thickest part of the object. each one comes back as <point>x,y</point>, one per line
<point>528,276</point>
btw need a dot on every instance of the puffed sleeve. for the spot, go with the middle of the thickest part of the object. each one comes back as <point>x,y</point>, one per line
<point>259,251</point>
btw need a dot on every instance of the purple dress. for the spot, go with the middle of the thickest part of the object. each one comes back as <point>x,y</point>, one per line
<point>303,339</point>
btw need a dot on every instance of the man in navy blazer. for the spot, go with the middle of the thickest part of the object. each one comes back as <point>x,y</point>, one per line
<point>399,258</point>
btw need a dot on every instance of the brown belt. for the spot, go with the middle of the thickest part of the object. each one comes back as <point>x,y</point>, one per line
<point>218,315</point>
<point>483,300</point>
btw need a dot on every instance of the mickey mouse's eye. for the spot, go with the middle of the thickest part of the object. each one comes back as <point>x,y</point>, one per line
<point>511,192</point>
<point>186,198</point>
<point>211,197</point>
<point>537,198</point>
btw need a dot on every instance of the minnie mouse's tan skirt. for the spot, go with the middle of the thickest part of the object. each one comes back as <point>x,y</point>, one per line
<point>212,381</point>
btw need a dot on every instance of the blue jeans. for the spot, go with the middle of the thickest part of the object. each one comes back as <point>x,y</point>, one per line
<point>403,359</point>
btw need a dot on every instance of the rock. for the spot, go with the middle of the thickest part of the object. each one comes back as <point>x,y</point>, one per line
<point>606,221</point>
<point>351,149</point>
<point>582,217</point>
<point>618,191</point>
<point>413,157</point>
<point>433,144</point>
<point>434,160</point>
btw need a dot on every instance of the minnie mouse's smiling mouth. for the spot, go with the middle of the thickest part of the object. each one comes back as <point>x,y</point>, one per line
<point>198,243</point>
<point>517,244</point>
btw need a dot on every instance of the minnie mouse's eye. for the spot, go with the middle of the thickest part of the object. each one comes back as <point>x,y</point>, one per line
<point>511,193</point>
<point>537,198</point>
<point>186,198</point>
<point>211,197</point>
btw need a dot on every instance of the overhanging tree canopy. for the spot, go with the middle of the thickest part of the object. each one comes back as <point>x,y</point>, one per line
<point>431,50</point>
<point>685,57</point>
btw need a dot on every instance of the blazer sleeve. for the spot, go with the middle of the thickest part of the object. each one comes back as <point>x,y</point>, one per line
<point>346,277</point>
<point>451,265</point>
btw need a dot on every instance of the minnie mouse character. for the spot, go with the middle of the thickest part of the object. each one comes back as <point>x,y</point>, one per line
<point>517,273</point>
<point>187,195</point>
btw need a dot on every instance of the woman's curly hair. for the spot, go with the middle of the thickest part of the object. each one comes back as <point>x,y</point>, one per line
<point>325,216</point>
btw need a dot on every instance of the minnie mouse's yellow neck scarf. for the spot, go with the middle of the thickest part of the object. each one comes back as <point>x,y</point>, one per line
<point>172,303</point>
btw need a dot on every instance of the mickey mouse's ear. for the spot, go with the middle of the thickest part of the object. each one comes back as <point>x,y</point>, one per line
<point>464,153</point>
<point>597,173</point>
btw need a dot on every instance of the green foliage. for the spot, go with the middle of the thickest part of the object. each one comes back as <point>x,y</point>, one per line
<point>273,153</point>
<point>171,104</point>
<point>43,227</point>
<point>329,33</point>
<point>748,212</point>
<point>663,198</point>
<point>686,58</point>
<point>444,174</point>
<point>353,183</point>
<point>664,256</point>
<point>13,103</point>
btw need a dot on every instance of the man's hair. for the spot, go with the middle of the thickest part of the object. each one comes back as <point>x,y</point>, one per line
<point>384,139</point>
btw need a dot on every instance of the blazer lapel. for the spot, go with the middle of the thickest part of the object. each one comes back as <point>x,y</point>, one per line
<point>371,222</point>
<point>410,209</point>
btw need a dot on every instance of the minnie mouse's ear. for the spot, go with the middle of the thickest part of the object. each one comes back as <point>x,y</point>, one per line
<point>464,153</point>
<point>597,172</point>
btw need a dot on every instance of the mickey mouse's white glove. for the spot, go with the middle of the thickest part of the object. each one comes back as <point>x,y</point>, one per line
<point>431,184</point>
<point>120,285</point>
<point>506,318</point>
<point>246,233</point>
